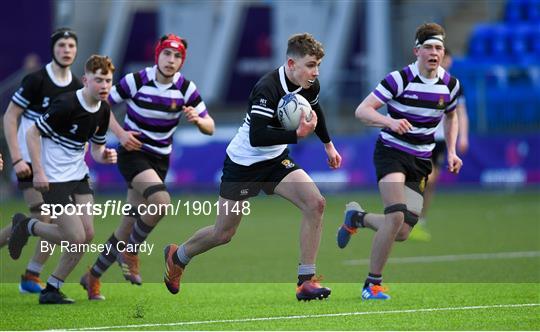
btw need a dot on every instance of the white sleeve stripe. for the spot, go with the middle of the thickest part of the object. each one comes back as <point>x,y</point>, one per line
<point>52,133</point>
<point>16,99</point>
<point>262,113</point>
<point>256,107</point>
<point>115,95</point>
<point>130,80</point>
<point>201,107</point>
<point>24,100</point>
<point>190,90</point>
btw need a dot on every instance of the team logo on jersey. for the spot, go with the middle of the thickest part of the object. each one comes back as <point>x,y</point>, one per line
<point>262,102</point>
<point>244,192</point>
<point>441,102</point>
<point>174,105</point>
<point>287,163</point>
<point>45,102</point>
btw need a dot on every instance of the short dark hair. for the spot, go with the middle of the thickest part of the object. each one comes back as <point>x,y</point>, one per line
<point>427,30</point>
<point>96,62</point>
<point>302,44</point>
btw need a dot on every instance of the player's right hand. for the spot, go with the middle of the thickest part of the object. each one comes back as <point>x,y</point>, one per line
<point>22,169</point>
<point>400,126</point>
<point>306,127</point>
<point>129,141</point>
<point>1,162</point>
<point>41,182</point>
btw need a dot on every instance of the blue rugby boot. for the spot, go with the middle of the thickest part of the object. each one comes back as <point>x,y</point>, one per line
<point>30,284</point>
<point>354,218</point>
<point>375,292</point>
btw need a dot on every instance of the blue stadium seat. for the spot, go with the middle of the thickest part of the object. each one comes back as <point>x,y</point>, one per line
<point>500,42</point>
<point>479,43</point>
<point>515,11</point>
<point>533,11</point>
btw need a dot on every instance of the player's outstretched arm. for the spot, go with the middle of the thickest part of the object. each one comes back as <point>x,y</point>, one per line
<point>33,141</point>
<point>334,158</point>
<point>103,155</point>
<point>11,124</point>
<point>367,113</point>
<point>128,139</point>
<point>463,128</point>
<point>205,124</point>
<point>450,135</point>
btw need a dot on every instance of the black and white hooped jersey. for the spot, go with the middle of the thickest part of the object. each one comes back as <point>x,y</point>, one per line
<point>422,102</point>
<point>261,120</point>
<point>66,128</point>
<point>35,95</point>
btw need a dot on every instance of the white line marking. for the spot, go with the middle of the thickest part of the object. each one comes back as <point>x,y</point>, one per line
<point>450,258</point>
<point>259,319</point>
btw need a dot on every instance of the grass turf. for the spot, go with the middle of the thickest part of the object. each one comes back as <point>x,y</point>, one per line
<point>254,275</point>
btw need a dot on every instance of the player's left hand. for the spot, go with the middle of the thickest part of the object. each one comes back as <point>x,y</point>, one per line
<point>1,163</point>
<point>109,156</point>
<point>334,158</point>
<point>454,163</point>
<point>191,114</point>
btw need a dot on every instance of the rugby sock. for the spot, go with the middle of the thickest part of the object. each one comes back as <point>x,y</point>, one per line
<point>358,219</point>
<point>54,283</point>
<point>139,234</point>
<point>373,279</point>
<point>181,258</point>
<point>105,260</point>
<point>30,226</point>
<point>305,272</point>
<point>34,268</point>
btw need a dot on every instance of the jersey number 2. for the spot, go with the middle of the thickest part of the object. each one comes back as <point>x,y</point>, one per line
<point>74,129</point>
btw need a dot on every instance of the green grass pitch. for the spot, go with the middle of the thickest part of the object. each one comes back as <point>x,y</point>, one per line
<point>480,271</point>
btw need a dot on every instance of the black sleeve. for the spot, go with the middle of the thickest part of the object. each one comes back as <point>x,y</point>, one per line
<point>262,112</point>
<point>99,136</point>
<point>261,135</point>
<point>57,117</point>
<point>27,92</point>
<point>321,129</point>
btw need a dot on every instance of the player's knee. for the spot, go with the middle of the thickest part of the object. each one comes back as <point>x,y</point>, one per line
<point>396,214</point>
<point>160,198</point>
<point>157,194</point>
<point>316,205</point>
<point>89,236</point>
<point>75,238</point>
<point>403,234</point>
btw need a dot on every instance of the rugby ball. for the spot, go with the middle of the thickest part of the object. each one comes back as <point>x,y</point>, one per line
<point>290,108</point>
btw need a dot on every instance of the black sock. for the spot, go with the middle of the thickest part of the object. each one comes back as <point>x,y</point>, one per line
<point>104,260</point>
<point>33,273</point>
<point>177,261</point>
<point>358,219</point>
<point>304,277</point>
<point>373,279</point>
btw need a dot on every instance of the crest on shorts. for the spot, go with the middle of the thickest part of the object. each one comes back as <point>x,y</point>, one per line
<point>422,184</point>
<point>287,163</point>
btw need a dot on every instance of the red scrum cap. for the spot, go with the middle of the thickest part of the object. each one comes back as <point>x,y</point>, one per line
<point>171,41</point>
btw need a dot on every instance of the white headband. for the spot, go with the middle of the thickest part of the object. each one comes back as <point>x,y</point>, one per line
<point>431,40</point>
